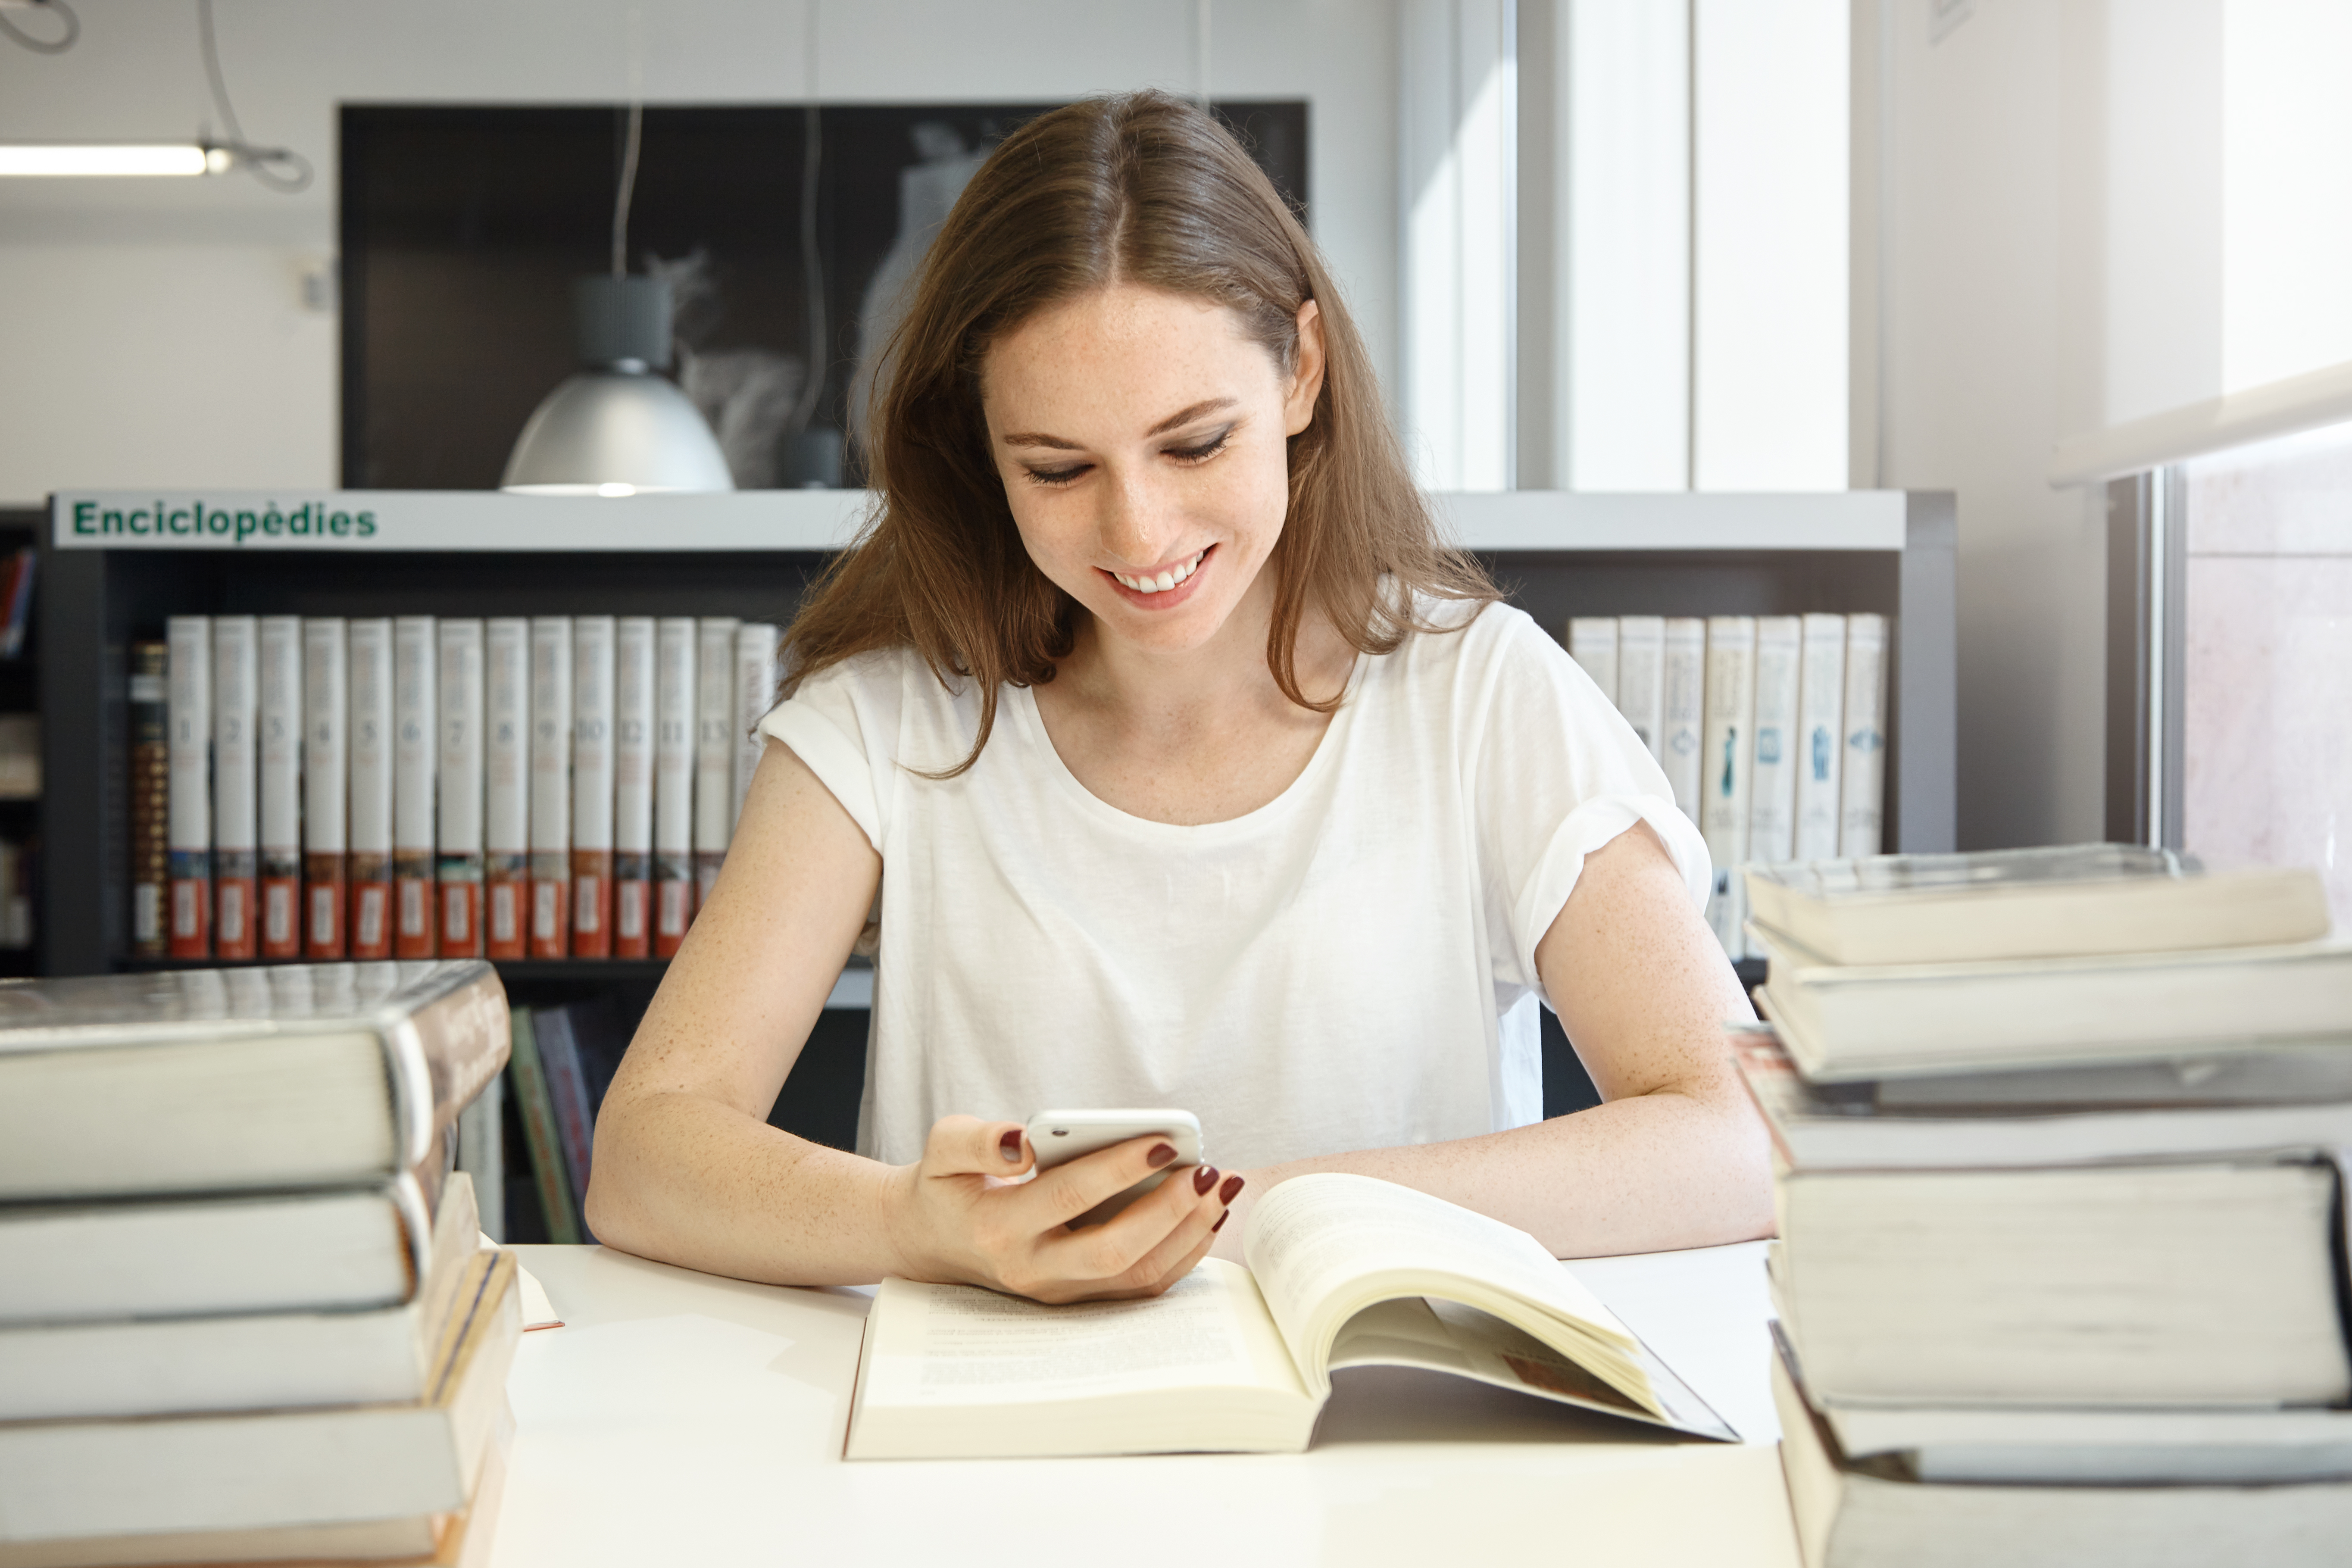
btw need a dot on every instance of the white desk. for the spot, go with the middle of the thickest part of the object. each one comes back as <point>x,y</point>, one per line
<point>679,1418</point>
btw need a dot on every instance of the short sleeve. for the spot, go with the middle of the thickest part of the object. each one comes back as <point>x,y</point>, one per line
<point>842,723</point>
<point>1555,773</point>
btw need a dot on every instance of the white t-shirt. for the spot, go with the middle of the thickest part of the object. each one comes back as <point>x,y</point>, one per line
<point>1351,966</point>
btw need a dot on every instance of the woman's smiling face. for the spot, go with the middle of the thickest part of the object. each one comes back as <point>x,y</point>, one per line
<point>1143,438</point>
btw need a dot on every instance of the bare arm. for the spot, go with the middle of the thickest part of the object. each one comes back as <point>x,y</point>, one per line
<point>687,1170</point>
<point>1675,1156</point>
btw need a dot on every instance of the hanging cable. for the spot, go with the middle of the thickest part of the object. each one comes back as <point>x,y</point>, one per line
<point>276,167</point>
<point>628,188</point>
<point>812,263</point>
<point>44,46</point>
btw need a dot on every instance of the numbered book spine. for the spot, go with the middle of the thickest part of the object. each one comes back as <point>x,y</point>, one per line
<point>592,786</point>
<point>326,754</point>
<point>282,788</point>
<point>714,750</point>
<point>1729,757</point>
<point>674,697</point>
<point>1682,722</point>
<point>1592,643</point>
<point>459,777</point>
<point>755,692</point>
<point>1821,747</point>
<point>236,827</point>
<point>191,810</point>
<point>1640,675</point>
<point>151,798</point>
<point>506,787</point>
<point>1862,793</point>
<point>1772,800</point>
<point>370,720</point>
<point>633,787</point>
<point>550,914</point>
<point>416,730</point>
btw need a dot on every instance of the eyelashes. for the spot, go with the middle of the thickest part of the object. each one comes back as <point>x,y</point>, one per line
<point>1054,479</point>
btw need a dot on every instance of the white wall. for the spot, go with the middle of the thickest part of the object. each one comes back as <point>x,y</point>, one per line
<point>153,331</point>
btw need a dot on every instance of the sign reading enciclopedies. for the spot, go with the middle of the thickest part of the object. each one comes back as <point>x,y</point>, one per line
<point>454,521</point>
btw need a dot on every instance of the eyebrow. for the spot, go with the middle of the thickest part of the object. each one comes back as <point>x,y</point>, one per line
<point>1181,417</point>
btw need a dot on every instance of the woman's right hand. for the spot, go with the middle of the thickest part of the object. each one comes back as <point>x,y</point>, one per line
<point>963,1215</point>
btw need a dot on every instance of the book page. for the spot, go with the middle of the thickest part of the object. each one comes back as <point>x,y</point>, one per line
<point>1325,1247</point>
<point>957,1344</point>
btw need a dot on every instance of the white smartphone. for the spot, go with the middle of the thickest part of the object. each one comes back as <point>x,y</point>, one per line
<point>1060,1136</point>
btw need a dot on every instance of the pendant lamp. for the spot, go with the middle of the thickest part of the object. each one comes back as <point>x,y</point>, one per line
<point>617,427</point>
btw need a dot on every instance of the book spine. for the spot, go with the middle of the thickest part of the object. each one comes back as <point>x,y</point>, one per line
<point>1820,742</point>
<point>150,805</point>
<point>20,602</point>
<point>190,806</point>
<point>235,821</point>
<point>1592,643</point>
<point>1772,801</point>
<point>551,786</point>
<point>755,692</point>
<point>416,732</point>
<point>714,750</point>
<point>281,787</point>
<point>537,1116</point>
<point>1730,759</point>
<point>1681,720</point>
<point>506,786</point>
<point>575,1119</point>
<point>633,787</point>
<point>369,720</point>
<point>481,1152</point>
<point>592,786</point>
<point>458,785</point>
<point>674,699</point>
<point>326,695</point>
<point>1862,792</point>
<point>1640,675</point>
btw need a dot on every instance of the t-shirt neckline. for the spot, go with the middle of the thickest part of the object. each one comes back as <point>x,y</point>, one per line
<point>1023,706</point>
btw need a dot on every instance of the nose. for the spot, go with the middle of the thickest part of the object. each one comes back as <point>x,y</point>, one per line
<point>1132,528</point>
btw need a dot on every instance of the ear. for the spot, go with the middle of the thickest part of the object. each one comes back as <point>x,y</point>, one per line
<point>1306,378</point>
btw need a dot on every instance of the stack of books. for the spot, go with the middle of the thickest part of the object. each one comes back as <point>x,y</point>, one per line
<point>1771,730</point>
<point>408,787</point>
<point>245,1314</point>
<point>2061,1267</point>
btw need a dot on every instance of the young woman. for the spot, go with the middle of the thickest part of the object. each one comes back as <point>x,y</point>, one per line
<point>1170,759</point>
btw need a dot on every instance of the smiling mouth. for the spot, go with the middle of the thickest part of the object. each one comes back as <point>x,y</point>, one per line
<point>1163,582</point>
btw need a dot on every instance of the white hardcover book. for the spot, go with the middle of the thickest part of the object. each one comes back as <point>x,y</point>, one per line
<point>755,692</point>
<point>550,785</point>
<point>1592,643</point>
<point>371,717</point>
<point>1773,798</point>
<point>632,784</point>
<point>1819,747</point>
<point>458,777</point>
<point>1728,763</point>
<point>1640,675</point>
<point>326,760</point>
<point>280,738</point>
<point>714,746</point>
<point>592,785</point>
<point>1682,718</point>
<point>417,734</point>
<point>1862,792</point>
<point>673,715</point>
<point>236,827</point>
<point>189,808</point>
<point>506,783</point>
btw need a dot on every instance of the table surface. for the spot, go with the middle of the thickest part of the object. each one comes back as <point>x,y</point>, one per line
<point>679,1417</point>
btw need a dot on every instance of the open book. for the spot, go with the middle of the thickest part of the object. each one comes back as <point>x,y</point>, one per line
<point>1344,1271</point>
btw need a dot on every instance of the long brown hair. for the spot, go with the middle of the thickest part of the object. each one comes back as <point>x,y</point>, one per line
<point>1145,189</point>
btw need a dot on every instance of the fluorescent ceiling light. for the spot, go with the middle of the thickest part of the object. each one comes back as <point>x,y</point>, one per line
<point>63,161</point>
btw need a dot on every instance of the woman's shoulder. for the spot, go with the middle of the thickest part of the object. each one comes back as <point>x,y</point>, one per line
<point>1457,638</point>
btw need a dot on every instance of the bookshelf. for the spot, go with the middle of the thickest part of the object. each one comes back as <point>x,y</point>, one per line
<point>105,584</point>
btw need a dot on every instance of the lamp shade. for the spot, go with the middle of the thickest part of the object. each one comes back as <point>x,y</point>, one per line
<point>616,432</point>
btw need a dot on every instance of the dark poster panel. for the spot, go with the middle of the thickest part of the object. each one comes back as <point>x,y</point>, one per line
<point>463,229</point>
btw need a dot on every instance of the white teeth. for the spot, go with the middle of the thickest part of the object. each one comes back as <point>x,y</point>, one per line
<point>1165,581</point>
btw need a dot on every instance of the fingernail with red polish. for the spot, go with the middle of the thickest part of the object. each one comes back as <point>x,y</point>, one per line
<point>1160,1154</point>
<point>1232,1189</point>
<point>1204,1178</point>
<point>1010,1146</point>
<point>1221,1224</point>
